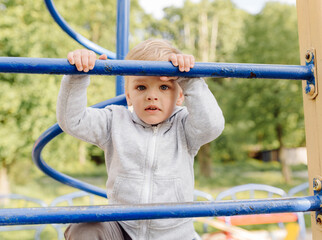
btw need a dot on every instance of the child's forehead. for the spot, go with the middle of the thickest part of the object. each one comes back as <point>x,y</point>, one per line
<point>146,79</point>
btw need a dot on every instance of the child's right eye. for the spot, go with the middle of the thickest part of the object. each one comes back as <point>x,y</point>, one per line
<point>141,88</point>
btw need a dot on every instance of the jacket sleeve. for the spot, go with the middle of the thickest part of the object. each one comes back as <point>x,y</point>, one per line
<point>205,120</point>
<point>75,118</point>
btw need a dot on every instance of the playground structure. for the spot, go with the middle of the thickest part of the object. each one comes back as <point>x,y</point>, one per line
<point>310,36</point>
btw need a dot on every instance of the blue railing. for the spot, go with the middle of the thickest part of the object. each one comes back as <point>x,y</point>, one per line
<point>150,68</point>
<point>156,211</point>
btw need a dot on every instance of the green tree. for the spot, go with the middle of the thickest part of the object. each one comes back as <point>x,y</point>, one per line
<point>210,30</point>
<point>265,114</point>
<point>28,102</point>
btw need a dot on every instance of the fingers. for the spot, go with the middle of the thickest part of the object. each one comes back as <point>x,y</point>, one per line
<point>192,61</point>
<point>83,59</point>
<point>183,61</point>
<point>91,60</point>
<point>70,58</point>
<point>78,60</point>
<point>173,58</point>
<point>102,57</point>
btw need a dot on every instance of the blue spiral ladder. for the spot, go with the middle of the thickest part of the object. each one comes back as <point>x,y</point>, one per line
<point>121,67</point>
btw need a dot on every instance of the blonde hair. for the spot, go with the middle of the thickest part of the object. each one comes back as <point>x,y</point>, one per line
<point>151,50</point>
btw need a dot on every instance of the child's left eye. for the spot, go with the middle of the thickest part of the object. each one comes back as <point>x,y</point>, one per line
<point>141,88</point>
<point>164,87</point>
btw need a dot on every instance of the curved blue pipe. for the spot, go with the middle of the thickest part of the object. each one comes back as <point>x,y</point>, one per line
<point>54,131</point>
<point>76,36</point>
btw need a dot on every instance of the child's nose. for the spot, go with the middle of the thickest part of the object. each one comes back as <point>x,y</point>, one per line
<point>152,96</point>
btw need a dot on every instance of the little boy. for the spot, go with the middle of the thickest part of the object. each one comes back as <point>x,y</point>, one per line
<point>150,151</point>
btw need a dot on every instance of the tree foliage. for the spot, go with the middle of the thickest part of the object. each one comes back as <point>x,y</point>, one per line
<point>268,113</point>
<point>271,110</point>
<point>210,30</point>
<point>28,102</point>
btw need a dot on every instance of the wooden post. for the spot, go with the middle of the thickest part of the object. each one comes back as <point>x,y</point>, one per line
<point>310,37</point>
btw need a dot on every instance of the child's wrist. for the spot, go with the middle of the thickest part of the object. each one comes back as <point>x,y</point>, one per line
<point>186,82</point>
<point>76,79</point>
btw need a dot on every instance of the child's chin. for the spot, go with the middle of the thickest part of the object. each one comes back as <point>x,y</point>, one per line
<point>152,121</point>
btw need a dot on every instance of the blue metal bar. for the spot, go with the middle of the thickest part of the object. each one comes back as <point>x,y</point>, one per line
<point>150,68</point>
<point>122,38</point>
<point>54,131</point>
<point>76,36</point>
<point>155,211</point>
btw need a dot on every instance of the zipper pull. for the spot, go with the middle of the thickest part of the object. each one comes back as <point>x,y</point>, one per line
<point>155,129</point>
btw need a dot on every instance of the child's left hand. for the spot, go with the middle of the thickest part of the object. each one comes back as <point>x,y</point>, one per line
<point>183,61</point>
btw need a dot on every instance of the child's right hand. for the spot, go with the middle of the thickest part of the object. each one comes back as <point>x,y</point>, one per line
<point>83,59</point>
<point>183,61</point>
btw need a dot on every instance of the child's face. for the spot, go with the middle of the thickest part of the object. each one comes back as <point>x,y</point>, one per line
<point>153,100</point>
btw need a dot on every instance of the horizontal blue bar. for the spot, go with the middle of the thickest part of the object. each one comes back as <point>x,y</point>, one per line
<point>155,211</point>
<point>150,68</point>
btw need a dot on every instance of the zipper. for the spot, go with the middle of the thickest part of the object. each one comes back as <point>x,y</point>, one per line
<point>148,173</point>
<point>149,164</point>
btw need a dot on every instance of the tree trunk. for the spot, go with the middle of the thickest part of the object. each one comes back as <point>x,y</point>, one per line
<point>96,32</point>
<point>205,161</point>
<point>286,170</point>
<point>4,184</point>
<point>213,39</point>
<point>187,35</point>
<point>82,153</point>
<point>204,155</point>
<point>203,37</point>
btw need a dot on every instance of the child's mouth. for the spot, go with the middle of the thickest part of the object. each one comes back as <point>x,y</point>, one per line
<point>151,109</point>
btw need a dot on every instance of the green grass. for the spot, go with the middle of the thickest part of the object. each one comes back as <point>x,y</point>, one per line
<point>224,176</point>
<point>48,233</point>
<point>227,175</point>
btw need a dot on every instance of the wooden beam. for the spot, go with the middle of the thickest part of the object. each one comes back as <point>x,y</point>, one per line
<point>310,37</point>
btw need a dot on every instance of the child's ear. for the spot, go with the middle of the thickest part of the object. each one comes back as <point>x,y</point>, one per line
<point>180,98</point>
<point>128,99</point>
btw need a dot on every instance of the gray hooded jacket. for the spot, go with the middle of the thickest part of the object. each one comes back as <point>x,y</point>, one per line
<point>145,164</point>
